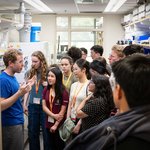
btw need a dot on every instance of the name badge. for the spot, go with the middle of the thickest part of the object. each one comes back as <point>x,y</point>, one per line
<point>73,114</point>
<point>36,100</point>
<point>50,119</point>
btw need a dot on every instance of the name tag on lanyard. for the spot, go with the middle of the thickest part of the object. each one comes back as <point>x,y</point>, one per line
<point>36,100</point>
<point>50,119</point>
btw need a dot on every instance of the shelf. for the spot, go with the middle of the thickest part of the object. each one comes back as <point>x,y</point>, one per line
<point>140,26</point>
<point>5,24</point>
<point>145,45</point>
<point>145,20</point>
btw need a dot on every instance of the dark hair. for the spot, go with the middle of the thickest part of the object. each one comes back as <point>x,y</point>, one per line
<point>103,89</point>
<point>102,59</point>
<point>75,53</point>
<point>68,58</point>
<point>84,50</point>
<point>11,55</point>
<point>99,67</point>
<point>53,65</point>
<point>133,75</point>
<point>59,87</point>
<point>133,48</point>
<point>98,49</point>
<point>82,63</point>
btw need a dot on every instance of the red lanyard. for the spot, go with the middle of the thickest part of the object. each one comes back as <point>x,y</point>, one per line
<point>37,84</point>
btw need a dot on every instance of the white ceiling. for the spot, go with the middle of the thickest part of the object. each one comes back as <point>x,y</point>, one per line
<point>70,7</point>
<point>66,7</point>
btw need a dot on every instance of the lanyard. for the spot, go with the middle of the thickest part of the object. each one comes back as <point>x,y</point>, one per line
<point>51,99</point>
<point>37,84</point>
<point>76,93</point>
<point>66,83</point>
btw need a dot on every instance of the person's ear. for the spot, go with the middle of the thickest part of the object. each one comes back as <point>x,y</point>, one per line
<point>84,70</point>
<point>118,92</point>
<point>117,95</point>
<point>10,63</point>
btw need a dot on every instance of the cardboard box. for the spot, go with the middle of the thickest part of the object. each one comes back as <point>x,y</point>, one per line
<point>135,12</point>
<point>141,15</point>
<point>148,8</point>
<point>128,18</point>
<point>141,8</point>
<point>135,18</point>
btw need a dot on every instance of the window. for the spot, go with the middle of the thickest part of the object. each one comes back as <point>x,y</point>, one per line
<point>79,31</point>
<point>62,22</point>
<point>86,22</point>
<point>82,39</point>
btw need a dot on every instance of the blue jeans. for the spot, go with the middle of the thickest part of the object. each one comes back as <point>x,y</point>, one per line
<point>36,121</point>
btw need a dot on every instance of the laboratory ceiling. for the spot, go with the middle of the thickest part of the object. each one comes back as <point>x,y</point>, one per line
<point>71,6</point>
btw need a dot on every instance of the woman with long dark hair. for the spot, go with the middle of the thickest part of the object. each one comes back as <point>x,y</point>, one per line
<point>78,91</point>
<point>97,107</point>
<point>55,101</point>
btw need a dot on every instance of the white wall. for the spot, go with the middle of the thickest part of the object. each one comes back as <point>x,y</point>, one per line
<point>113,31</point>
<point>48,30</point>
<point>13,36</point>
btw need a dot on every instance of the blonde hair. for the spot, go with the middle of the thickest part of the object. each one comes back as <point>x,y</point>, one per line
<point>119,50</point>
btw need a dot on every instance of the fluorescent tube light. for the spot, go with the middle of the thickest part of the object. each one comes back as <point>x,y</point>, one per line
<point>110,5</point>
<point>38,4</point>
<point>114,5</point>
<point>118,5</point>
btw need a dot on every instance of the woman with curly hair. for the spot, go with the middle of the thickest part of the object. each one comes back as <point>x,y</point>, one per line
<point>96,107</point>
<point>36,116</point>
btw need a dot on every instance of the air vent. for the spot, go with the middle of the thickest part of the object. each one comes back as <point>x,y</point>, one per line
<point>85,1</point>
<point>92,12</point>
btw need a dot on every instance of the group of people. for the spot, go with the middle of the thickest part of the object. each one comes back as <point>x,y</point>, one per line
<point>87,93</point>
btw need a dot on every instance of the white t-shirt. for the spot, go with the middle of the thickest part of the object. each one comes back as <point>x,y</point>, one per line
<point>80,91</point>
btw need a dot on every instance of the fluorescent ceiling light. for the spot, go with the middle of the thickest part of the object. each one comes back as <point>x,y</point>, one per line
<point>114,5</point>
<point>110,5</point>
<point>84,1</point>
<point>38,4</point>
<point>118,5</point>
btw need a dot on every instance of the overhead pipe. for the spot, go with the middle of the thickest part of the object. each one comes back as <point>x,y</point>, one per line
<point>21,12</point>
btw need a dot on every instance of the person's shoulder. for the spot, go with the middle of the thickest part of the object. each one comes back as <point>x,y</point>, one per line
<point>131,143</point>
<point>4,77</point>
<point>1,75</point>
<point>74,84</point>
<point>45,90</point>
<point>65,92</point>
